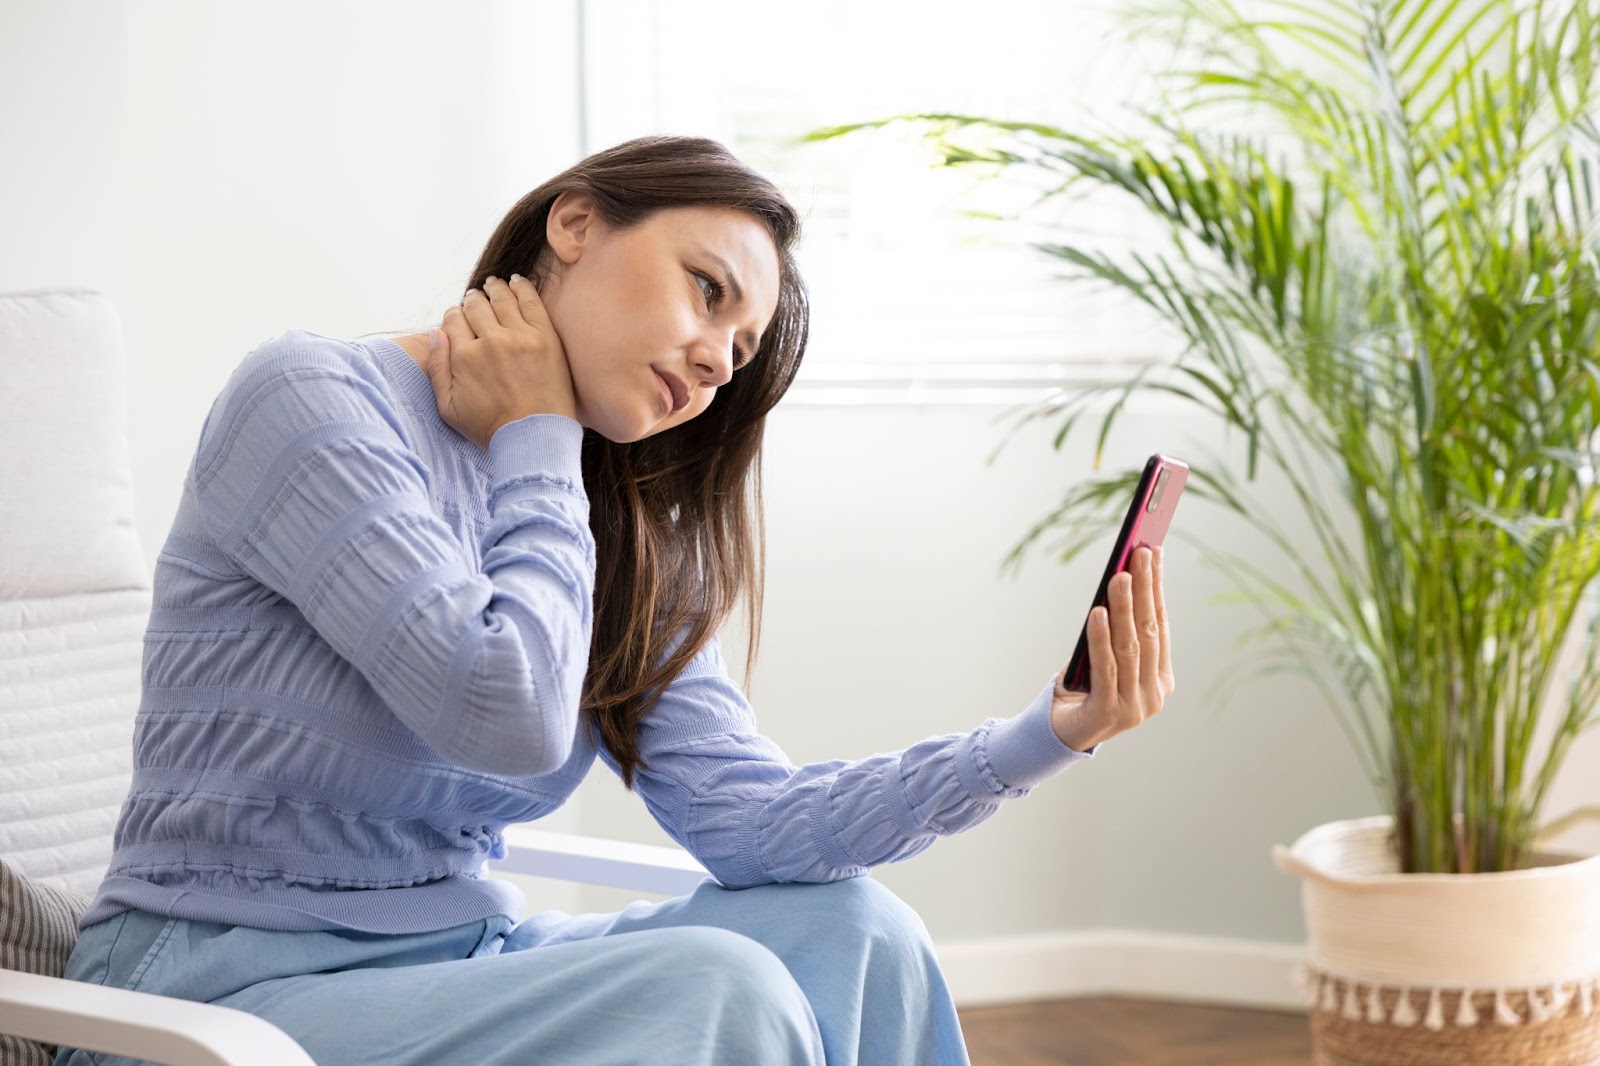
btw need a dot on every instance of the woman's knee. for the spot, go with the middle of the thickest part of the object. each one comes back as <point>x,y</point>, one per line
<point>867,909</point>
<point>746,997</point>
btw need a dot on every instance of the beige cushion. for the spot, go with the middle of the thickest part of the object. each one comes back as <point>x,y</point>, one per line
<point>38,926</point>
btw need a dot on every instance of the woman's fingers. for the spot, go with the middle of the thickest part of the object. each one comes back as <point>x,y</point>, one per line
<point>504,303</point>
<point>1124,638</point>
<point>1144,617</point>
<point>443,347</point>
<point>529,303</point>
<point>479,312</point>
<point>511,305</point>
<point>439,371</point>
<point>1102,658</point>
<point>1168,680</point>
<point>456,327</point>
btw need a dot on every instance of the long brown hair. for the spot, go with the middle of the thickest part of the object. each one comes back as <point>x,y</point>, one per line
<point>676,517</point>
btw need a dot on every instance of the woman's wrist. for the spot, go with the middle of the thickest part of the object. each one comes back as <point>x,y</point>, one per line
<point>1073,727</point>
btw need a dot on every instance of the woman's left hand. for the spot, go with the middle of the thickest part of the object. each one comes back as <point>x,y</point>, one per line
<point>1130,660</point>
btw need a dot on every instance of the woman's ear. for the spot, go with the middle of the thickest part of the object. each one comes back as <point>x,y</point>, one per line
<point>572,224</point>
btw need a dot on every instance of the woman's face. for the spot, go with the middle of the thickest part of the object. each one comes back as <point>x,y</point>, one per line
<point>684,295</point>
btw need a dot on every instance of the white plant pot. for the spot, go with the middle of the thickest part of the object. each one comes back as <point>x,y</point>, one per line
<point>1446,969</point>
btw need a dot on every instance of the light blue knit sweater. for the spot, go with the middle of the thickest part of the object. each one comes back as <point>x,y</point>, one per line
<point>365,657</point>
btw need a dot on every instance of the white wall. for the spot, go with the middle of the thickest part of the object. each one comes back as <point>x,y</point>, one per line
<point>63,175</point>
<point>227,172</point>
<point>332,167</point>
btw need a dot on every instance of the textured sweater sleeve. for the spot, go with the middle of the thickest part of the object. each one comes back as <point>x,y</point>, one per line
<point>732,798</point>
<point>304,479</point>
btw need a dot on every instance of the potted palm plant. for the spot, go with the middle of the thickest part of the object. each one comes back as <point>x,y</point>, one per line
<point>1390,271</point>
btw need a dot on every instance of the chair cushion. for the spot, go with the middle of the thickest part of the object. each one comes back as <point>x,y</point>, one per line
<point>69,689</point>
<point>38,926</point>
<point>68,521</point>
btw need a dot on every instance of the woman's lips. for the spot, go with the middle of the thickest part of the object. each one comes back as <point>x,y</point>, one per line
<point>675,393</point>
<point>668,401</point>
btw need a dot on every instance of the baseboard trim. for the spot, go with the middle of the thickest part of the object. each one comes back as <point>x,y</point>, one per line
<point>1122,962</point>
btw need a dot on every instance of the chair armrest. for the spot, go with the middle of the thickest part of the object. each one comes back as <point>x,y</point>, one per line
<point>139,1025</point>
<point>593,861</point>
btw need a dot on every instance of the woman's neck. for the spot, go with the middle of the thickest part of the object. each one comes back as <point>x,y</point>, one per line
<point>416,346</point>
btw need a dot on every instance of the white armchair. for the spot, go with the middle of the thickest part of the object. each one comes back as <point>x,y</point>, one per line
<point>74,598</point>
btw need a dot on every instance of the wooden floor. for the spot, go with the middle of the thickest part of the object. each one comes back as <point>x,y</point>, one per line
<point>1107,1031</point>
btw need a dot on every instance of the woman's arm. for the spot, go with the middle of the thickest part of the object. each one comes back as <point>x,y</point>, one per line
<point>303,480</point>
<point>751,817</point>
<point>732,798</point>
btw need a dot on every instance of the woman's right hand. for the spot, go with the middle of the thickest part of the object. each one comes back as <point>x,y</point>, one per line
<point>496,359</point>
<point>1130,659</point>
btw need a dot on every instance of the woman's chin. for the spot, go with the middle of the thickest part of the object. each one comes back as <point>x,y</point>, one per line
<point>628,426</point>
<point>617,427</point>
<point>628,432</point>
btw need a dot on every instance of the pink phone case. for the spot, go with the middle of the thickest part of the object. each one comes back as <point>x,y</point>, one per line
<point>1145,525</point>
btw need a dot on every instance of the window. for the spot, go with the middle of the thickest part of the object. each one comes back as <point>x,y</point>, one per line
<point>909,298</point>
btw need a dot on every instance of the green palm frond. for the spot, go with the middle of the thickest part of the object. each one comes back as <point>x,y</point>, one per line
<point>1401,286</point>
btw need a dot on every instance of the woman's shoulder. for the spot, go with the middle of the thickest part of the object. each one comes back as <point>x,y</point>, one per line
<point>302,347</point>
<point>298,379</point>
<point>304,363</point>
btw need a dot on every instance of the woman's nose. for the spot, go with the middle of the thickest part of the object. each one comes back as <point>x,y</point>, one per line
<point>716,356</point>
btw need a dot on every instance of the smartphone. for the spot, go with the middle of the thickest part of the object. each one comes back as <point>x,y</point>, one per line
<point>1149,515</point>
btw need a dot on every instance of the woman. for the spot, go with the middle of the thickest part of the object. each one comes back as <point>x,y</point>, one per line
<point>416,586</point>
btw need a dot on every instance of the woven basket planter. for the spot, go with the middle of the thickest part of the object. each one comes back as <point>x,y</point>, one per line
<point>1499,969</point>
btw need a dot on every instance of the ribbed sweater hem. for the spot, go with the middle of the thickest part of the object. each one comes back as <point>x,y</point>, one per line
<point>439,904</point>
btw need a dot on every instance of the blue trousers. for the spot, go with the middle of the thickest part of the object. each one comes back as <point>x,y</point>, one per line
<point>840,973</point>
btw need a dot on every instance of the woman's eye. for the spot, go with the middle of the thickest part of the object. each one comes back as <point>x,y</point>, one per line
<point>713,290</point>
